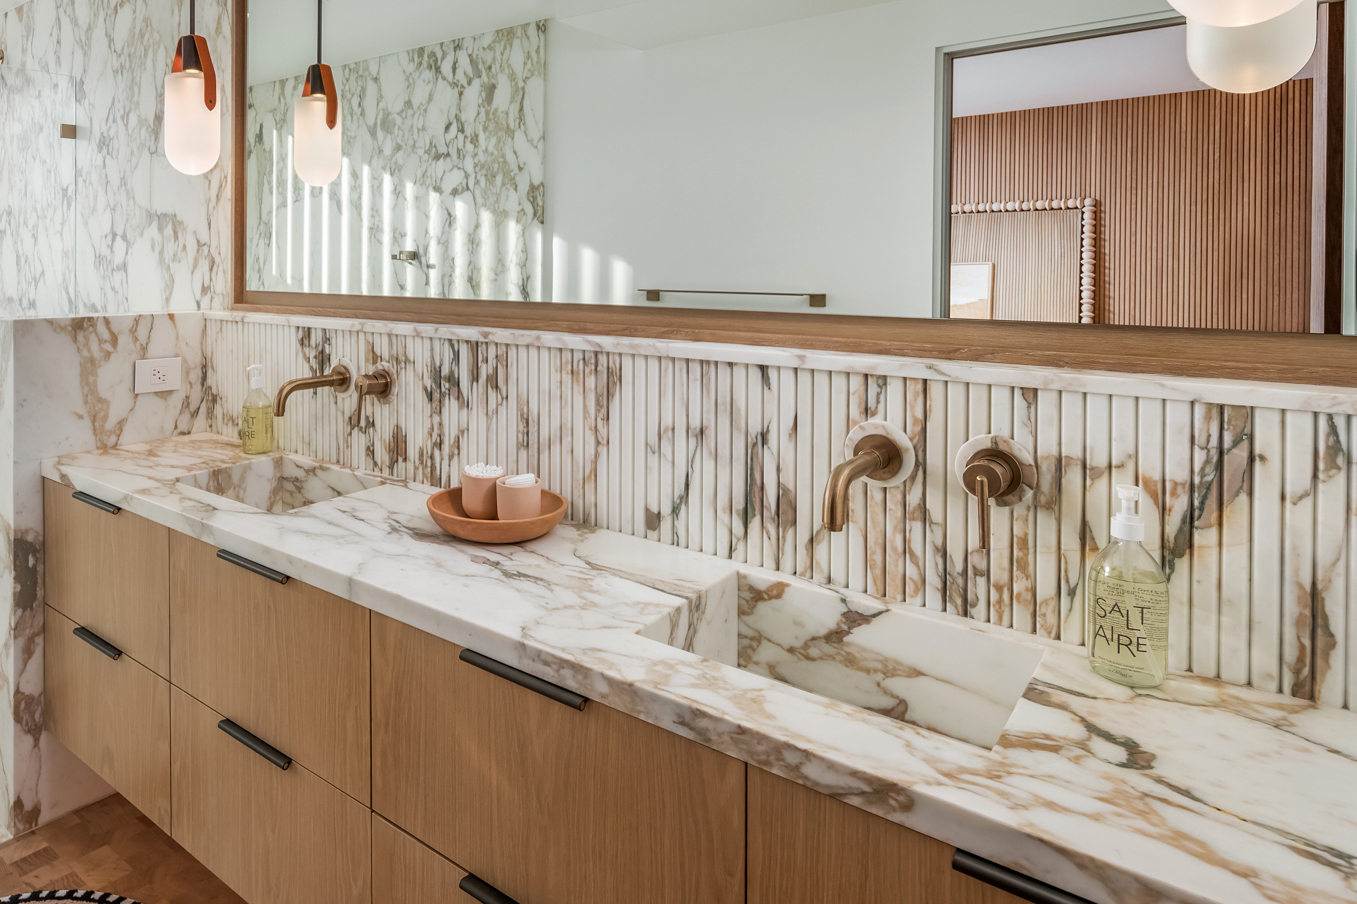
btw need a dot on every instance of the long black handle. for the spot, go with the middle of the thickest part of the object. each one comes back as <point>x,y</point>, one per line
<point>1016,884</point>
<point>262,570</point>
<point>483,891</point>
<point>98,643</point>
<point>100,504</point>
<point>523,679</point>
<point>272,754</point>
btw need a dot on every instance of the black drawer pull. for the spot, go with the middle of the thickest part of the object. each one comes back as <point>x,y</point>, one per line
<point>483,891</point>
<point>523,679</point>
<point>1015,883</point>
<point>262,570</point>
<point>272,754</point>
<point>98,643</point>
<point>100,504</point>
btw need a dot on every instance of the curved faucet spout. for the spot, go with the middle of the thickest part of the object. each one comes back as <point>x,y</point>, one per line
<point>339,377</point>
<point>877,457</point>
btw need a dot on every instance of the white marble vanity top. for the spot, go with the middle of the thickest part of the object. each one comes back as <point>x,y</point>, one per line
<point>1197,791</point>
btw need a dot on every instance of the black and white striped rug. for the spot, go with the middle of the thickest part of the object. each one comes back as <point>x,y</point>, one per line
<point>60,897</point>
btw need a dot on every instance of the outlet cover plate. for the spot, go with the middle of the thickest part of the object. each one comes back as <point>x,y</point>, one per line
<point>159,375</point>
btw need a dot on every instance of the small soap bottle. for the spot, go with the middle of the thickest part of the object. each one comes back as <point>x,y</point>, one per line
<point>1128,604</point>
<point>256,417</point>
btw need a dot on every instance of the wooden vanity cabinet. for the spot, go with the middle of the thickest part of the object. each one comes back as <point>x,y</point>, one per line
<point>271,834</point>
<point>287,662</point>
<point>114,714</point>
<point>109,573</point>
<point>406,871</point>
<point>808,848</point>
<point>548,804</point>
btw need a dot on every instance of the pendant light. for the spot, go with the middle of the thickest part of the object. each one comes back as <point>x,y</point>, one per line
<point>192,111</point>
<point>1232,13</point>
<point>318,123</point>
<point>1253,58</point>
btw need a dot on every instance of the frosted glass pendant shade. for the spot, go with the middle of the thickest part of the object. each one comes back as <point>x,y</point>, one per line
<point>1253,58</point>
<point>318,149</point>
<point>192,132</point>
<point>1232,13</point>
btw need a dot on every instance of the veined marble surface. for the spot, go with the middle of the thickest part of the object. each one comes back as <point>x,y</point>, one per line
<point>1194,792</point>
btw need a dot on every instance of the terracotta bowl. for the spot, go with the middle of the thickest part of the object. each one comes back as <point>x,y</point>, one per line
<point>446,510</point>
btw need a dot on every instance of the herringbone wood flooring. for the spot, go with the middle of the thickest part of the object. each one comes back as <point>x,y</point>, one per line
<point>109,846</point>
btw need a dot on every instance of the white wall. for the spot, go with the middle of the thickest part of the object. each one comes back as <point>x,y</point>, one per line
<point>797,157</point>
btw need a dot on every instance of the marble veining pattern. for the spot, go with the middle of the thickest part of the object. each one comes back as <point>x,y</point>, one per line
<point>1198,792</point>
<point>443,155</point>
<point>669,442</point>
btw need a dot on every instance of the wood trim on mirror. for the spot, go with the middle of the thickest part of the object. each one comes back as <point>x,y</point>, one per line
<point>1266,357</point>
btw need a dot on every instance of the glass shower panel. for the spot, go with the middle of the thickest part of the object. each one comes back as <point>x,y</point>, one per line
<point>38,148</point>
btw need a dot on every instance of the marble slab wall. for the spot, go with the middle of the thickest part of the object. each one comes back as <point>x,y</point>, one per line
<point>103,224</point>
<point>66,386</point>
<point>726,450</point>
<point>444,151</point>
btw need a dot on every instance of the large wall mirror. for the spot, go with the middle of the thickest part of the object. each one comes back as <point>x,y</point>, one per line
<point>1047,161</point>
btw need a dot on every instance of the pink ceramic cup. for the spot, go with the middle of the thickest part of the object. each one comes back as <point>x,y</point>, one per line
<point>479,497</point>
<point>518,503</point>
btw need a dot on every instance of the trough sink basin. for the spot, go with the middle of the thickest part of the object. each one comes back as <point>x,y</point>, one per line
<point>909,666</point>
<point>281,483</point>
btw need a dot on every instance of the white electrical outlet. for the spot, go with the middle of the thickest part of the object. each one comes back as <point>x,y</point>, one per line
<point>158,375</point>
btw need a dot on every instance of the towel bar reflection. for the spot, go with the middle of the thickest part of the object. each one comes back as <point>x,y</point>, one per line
<point>817,300</point>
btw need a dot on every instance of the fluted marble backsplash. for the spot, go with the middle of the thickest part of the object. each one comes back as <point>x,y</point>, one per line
<point>443,149</point>
<point>726,450</point>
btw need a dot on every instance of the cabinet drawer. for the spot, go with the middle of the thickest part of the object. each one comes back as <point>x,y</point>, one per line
<point>112,714</point>
<point>549,804</point>
<point>807,848</point>
<point>404,871</point>
<point>269,833</point>
<point>287,662</point>
<point>109,573</point>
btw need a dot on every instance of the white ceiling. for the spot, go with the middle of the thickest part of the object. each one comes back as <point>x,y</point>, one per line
<point>283,32</point>
<point>1136,64</point>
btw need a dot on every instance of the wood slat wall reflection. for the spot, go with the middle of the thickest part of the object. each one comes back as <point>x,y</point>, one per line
<point>1205,198</point>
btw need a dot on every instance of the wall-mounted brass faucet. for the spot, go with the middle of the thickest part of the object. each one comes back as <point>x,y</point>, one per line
<point>990,474</point>
<point>339,378</point>
<point>875,456</point>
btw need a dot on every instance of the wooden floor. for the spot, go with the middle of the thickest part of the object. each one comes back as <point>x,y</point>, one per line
<point>110,847</point>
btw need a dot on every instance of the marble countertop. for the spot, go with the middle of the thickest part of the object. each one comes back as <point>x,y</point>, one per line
<point>1196,791</point>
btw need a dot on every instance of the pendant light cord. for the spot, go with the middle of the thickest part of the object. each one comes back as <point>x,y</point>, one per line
<point>318,32</point>
<point>193,17</point>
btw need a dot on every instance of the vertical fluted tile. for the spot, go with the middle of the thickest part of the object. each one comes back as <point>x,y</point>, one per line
<point>726,411</point>
<point>822,459</point>
<point>710,415</point>
<point>651,458</point>
<point>1331,578</point>
<point>755,449</point>
<point>850,567</point>
<point>1206,538</point>
<point>1072,524</point>
<point>670,485</point>
<point>1024,577</point>
<point>1298,557</point>
<point>1236,541</point>
<point>975,558</point>
<point>1047,563</point>
<point>791,467</point>
<point>1178,519</point>
<point>937,496</point>
<point>915,518</point>
<point>894,544</point>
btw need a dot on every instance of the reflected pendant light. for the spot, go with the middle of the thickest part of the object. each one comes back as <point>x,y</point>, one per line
<point>318,123</point>
<point>1253,58</point>
<point>1232,13</point>
<point>192,111</point>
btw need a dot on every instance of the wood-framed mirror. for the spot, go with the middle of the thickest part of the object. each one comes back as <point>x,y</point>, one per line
<point>709,161</point>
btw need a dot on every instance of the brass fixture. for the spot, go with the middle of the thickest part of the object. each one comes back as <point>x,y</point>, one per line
<point>990,474</point>
<point>817,299</point>
<point>877,457</point>
<point>406,256</point>
<point>377,385</point>
<point>338,377</point>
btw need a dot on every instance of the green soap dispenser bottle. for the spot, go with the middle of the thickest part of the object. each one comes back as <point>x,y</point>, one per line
<point>1128,604</point>
<point>256,416</point>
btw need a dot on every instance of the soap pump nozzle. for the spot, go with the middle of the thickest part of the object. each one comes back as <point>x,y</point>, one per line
<point>1126,524</point>
<point>256,374</point>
